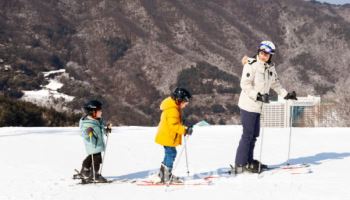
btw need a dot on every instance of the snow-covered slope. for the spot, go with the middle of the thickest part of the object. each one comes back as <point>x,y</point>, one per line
<point>37,163</point>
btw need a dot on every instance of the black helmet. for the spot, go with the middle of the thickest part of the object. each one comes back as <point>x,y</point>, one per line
<point>92,105</point>
<point>181,94</point>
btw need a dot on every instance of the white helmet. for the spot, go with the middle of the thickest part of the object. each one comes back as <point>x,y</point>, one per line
<point>267,47</point>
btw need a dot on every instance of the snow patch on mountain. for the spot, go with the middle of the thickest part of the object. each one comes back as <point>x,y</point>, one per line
<point>49,95</point>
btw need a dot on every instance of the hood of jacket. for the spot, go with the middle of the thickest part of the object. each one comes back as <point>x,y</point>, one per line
<point>168,103</point>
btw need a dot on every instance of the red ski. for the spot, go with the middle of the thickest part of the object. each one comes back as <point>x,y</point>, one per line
<point>151,183</point>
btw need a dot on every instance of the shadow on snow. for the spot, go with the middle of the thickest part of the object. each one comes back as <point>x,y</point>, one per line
<point>312,160</point>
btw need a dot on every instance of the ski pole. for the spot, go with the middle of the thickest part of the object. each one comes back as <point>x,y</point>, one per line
<point>266,90</point>
<point>262,138</point>
<point>176,164</point>
<point>109,130</point>
<point>185,143</point>
<point>93,163</point>
<point>104,154</point>
<point>290,133</point>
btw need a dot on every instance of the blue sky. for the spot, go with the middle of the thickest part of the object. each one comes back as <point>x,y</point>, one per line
<point>335,1</point>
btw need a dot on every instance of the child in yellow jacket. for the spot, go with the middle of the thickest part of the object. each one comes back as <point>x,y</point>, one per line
<point>171,129</point>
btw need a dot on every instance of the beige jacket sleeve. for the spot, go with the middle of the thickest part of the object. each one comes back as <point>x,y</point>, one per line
<point>247,81</point>
<point>276,85</point>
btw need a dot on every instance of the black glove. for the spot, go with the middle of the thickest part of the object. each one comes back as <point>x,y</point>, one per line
<point>188,124</point>
<point>263,98</point>
<point>189,130</point>
<point>291,95</point>
<point>109,128</point>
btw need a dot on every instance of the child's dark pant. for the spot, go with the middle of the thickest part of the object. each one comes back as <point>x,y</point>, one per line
<point>97,161</point>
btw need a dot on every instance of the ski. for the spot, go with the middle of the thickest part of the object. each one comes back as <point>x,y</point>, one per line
<point>295,166</point>
<point>85,181</point>
<point>127,181</point>
<point>151,183</point>
<point>194,180</point>
<point>294,169</point>
<point>303,168</point>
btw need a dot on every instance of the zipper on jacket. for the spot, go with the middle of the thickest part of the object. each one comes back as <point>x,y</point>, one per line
<point>266,80</point>
<point>175,138</point>
<point>96,137</point>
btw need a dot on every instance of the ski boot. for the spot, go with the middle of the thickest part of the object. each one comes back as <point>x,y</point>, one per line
<point>166,176</point>
<point>248,168</point>
<point>256,164</point>
<point>175,179</point>
<point>164,173</point>
<point>100,179</point>
<point>97,179</point>
<point>84,173</point>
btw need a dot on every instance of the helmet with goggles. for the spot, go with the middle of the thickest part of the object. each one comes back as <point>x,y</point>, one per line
<point>267,47</point>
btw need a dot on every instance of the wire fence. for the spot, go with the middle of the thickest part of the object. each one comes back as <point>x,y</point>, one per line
<point>318,115</point>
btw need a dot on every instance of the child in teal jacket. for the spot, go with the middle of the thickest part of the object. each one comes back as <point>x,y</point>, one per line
<point>93,131</point>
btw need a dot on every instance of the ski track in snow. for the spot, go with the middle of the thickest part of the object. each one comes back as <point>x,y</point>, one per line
<point>38,163</point>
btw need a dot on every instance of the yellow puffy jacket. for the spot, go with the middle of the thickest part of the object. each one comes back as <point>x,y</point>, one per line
<point>170,128</point>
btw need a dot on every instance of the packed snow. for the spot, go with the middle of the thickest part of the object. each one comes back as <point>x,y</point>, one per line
<point>49,96</point>
<point>38,163</point>
<point>53,72</point>
<point>45,96</point>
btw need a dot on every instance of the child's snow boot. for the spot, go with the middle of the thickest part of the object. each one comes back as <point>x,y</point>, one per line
<point>85,172</point>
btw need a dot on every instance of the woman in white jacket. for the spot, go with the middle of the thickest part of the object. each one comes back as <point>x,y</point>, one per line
<point>258,76</point>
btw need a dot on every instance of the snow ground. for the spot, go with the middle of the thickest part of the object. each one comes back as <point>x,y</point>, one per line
<point>37,163</point>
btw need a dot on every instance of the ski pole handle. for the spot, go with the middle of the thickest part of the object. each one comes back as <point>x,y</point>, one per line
<point>109,128</point>
<point>109,125</point>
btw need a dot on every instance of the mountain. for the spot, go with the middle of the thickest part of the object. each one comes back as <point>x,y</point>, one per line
<point>131,54</point>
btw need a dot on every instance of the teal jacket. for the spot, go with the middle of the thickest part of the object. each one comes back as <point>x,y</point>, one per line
<point>96,144</point>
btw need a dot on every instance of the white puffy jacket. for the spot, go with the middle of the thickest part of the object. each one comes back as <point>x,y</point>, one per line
<point>257,77</point>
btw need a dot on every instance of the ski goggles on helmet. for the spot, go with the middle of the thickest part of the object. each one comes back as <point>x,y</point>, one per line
<point>267,49</point>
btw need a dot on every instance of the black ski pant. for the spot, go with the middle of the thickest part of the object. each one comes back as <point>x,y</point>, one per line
<point>251,129</point>
<point>87,163</point>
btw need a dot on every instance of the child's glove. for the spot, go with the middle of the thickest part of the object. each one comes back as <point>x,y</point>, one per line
<point>109,128</point>
<point>189,130</point>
